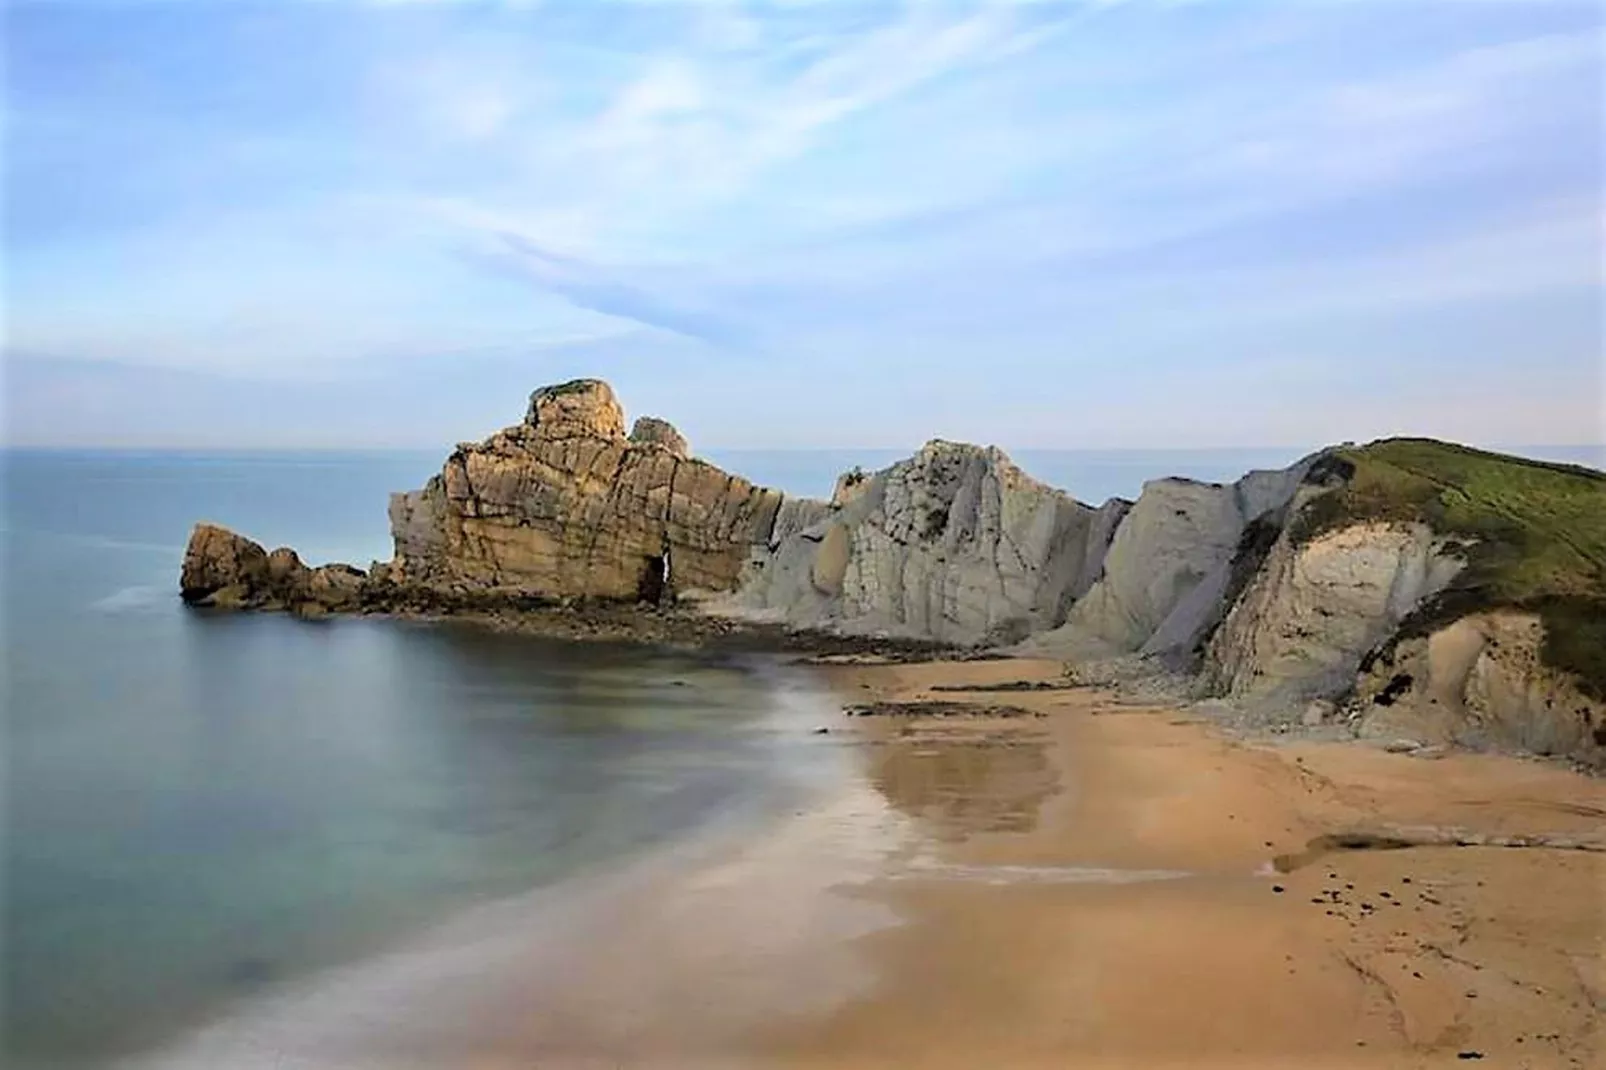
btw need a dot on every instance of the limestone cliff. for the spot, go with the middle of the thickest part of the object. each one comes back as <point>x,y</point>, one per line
<point>566,505</point>
<point>1169,571</point>
<point>1310,615</point>
<point>1481,681</point>
<point>1430,591</point>
<point>956,544</point>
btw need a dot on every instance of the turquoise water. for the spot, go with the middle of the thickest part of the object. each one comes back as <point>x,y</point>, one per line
<point>200,809</point>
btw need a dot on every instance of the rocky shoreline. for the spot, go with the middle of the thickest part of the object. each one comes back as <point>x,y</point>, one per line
<point>307,596</point>
<point>1405,588</point>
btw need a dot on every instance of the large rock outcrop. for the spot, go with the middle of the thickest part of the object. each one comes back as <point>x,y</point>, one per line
<point>565,505</point>
<point>1168,575</point>
<point>1480,681</point>
<point>1315,609</point>
<point>955,544</point>
<point>216,560</point>
<point>228,571</point>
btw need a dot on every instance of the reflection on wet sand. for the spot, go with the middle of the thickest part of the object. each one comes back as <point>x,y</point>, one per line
<point>960,781</point>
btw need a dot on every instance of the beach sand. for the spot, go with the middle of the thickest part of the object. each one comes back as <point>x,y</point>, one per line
<point>1015,953</point>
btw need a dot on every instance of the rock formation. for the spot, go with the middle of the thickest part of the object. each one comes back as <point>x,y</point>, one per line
<point>1167,576</point>
<point>1480,681</point>
<point>651,431</point>
<point>955,544</point>
<point>228,571</point>
<point>565,505</point>
<point>1313,611</point>
<point>1405,587</point>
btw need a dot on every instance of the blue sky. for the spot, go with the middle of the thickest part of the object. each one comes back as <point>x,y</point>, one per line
<point>1067,224</point>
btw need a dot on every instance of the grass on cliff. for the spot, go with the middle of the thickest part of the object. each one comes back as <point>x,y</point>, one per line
<point>1533,535</point>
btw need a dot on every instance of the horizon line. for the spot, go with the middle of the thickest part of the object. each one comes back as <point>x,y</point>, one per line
<point>182,448</point>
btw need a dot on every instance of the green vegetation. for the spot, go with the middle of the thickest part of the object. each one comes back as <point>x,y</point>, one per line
<point>1533,534</point>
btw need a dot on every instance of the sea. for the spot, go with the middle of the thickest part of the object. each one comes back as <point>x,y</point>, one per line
<point>205,811</point>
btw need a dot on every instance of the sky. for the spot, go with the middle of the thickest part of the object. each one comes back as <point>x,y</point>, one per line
<point>1077,224</point>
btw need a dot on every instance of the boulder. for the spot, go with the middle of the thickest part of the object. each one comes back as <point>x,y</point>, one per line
<point>228,571</point>
<point>333,587</point>
<point>849,485</point>
<point>1318,713</point>
<point>284,566</point>
<point>580,407</point>
<point>216,560</point>
<point>651,431</point>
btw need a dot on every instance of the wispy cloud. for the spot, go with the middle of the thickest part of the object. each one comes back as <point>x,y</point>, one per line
<point>592,287</point>
<point>700,122</point>
<point>1065,194</point>
<point>1394,126</point>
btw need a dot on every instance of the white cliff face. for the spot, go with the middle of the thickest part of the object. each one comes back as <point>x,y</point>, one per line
<point>1313,611</point>
<point>1174,537</point>
<point>955,544</point>
<point>1480,682</point>
<point>1168,571</point>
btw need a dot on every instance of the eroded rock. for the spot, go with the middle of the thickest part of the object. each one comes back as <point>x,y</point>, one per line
<point>217,560</point>
<point>224,570</point>
<point>1314,610</point>
<point>955,544</point>
<point>1480,681</point>
<point>651,431</point>
<point>1168,575</point>
<point>564,505</point>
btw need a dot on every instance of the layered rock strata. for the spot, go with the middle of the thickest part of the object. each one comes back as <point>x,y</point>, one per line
<point>955,543</point>
<point>566,505</point>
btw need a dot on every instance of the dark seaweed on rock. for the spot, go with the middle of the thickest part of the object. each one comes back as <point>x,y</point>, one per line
<point>1259,536</point>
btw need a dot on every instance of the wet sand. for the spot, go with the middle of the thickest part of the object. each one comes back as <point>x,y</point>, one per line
<point>1026,945</point>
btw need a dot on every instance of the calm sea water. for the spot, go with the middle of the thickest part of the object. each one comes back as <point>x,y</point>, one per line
<point>200,809</point>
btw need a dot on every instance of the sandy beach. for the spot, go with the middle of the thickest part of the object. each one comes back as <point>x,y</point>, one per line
<point>1100,888</point>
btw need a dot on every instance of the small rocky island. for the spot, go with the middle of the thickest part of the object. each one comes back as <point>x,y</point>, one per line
<point>1406,586</point>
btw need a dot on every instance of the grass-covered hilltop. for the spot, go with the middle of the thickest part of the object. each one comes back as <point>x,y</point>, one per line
<point>1532,535</point>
